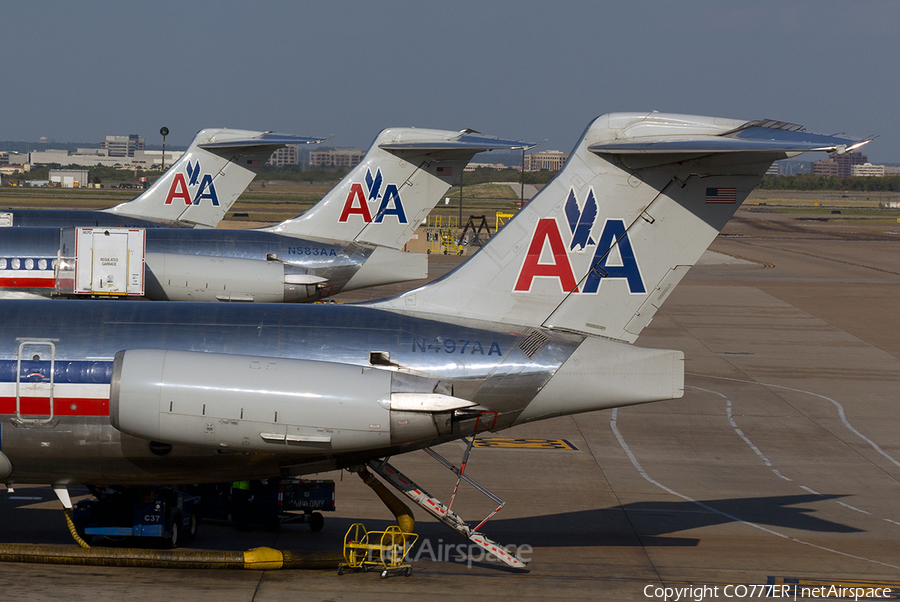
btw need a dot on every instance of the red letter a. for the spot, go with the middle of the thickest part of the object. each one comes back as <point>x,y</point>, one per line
<point>560,268</point>
<point>356,194</point>
<point>179,190</point>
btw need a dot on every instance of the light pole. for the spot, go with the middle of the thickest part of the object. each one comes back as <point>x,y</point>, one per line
<point>459,223</point>
<point>522,179</point>
<point>164,131</point>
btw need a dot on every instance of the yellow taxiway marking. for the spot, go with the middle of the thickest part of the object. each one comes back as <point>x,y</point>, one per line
<point>525,443</point>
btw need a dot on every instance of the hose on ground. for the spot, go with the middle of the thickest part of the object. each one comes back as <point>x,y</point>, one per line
<point>255,559</point>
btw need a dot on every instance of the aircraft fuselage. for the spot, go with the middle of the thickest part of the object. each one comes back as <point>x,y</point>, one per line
<point>481,363</point>
<point>63,218</point>
<point>27,259</point>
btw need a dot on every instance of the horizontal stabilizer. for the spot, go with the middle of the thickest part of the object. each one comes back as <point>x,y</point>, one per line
<point>388,266</point>
<point>268,139</point>
<point>465,142</point>
<point>754,136</point>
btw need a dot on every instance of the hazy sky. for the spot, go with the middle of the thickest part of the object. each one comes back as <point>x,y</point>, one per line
<point>78,71</point>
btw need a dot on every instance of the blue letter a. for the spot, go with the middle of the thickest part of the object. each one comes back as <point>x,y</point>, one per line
<point>391,194</point>
<point>614,234</point>
<point>207,190</point>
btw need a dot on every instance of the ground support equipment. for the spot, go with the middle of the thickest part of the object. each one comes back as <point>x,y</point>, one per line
<point>387,550</point>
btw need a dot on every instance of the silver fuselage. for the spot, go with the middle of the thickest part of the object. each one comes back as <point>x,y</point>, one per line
<point>34,251</point>
<point>62,218</point>
<point>480,362</point>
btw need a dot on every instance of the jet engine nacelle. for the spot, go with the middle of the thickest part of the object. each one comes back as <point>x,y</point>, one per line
<point>5,466</point>
<point>176,277</point>
<point>249,403</point>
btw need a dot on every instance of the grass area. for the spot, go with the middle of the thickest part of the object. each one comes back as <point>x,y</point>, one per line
<point>483,191</point>
<point>811,203</point>
<point>260,202</point>
<point>282,201</point>
<point>825,198</point>
<point>845,211</point>
<point>274,201</point>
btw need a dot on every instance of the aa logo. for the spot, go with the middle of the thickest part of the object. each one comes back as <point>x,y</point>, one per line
<point>388,200</point>
<point>581,221</point>
<point>548,256</point>
<point>203,188</point>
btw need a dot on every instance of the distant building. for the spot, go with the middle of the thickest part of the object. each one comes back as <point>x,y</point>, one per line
<point>867,169</point>
<point>13,158</point>
<point>838,166</point>
<point>773,170</point>
<point>336,157</point>
<point>90,157</point>
<point>12,169</point>
<point>49,156</point>
<point>892,170</point>
<point>286,155</point>
<point>70,178</point>
<point>552,160</point>
<point>122,146</point>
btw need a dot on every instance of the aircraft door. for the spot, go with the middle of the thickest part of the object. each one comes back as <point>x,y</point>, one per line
<point>35,365</point>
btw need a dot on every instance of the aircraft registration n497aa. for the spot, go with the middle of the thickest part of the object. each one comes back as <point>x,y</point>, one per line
<point>539,323</point>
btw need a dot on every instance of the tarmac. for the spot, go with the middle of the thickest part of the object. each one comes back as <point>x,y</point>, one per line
<point>781,463</point>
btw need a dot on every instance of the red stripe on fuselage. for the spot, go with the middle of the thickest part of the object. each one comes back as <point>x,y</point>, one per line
<point>62,406</point>
<point>27,282</point>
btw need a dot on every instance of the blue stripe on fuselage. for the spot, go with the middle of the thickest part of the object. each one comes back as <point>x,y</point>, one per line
<point>64,371</point>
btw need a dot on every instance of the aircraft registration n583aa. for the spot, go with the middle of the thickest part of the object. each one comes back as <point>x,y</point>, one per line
<point>537,324</point>
<point>350,239</point>
<point>196,191</point>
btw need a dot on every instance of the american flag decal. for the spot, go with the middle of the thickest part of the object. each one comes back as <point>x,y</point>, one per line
<point>721,196</point>
<point>253,163</point>
<point>445,171</point>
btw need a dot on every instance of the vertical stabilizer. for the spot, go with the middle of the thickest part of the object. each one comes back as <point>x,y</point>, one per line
<point>200,188</point>
<point>404,174</point>
<point>601,246</point>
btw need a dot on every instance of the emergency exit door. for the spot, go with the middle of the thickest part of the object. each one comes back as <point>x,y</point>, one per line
<point>35,367</point>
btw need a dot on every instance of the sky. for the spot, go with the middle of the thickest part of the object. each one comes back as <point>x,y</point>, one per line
<point>521,69</point>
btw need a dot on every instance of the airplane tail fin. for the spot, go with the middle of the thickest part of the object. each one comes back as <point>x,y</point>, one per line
<point>200,188</point>
<point>404,174</point>
<point>601,246</point>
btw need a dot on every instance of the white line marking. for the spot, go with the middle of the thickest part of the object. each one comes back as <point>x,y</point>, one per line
<point>852,507</point>
<point>731,421</point>
<point>839,407</point>
<point>735,426</point>
<point>637,465</point>
<point>781,476</point>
